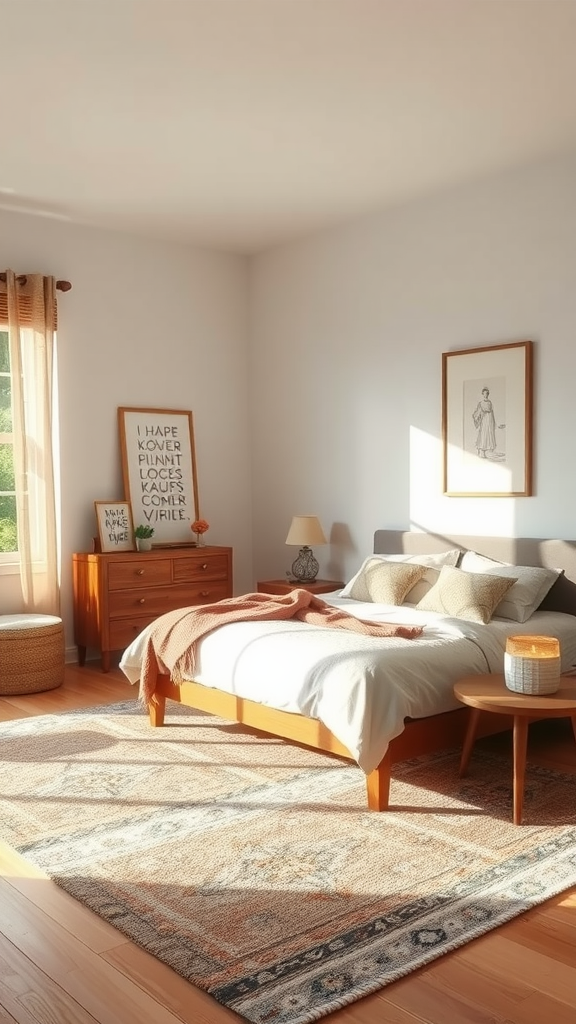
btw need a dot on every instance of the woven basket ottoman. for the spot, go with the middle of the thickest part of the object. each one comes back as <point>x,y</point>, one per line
<point>31,653</point>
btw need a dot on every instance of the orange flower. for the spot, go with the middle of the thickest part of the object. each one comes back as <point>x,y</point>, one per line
<point>200,526</point>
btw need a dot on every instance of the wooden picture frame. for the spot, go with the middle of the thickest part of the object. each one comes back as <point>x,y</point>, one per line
<point>487,421</point>
<point>115,525</point>
<point>159,471</point>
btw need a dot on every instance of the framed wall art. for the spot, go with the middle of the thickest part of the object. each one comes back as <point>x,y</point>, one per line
<point>487,421</point>
<point>159,471</point>
<point>115,526</point>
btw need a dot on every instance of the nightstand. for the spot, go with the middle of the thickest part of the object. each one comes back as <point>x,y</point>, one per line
<point>489,693</point>
<point>285,586</point>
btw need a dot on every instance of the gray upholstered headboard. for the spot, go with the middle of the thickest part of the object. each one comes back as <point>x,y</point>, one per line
<point>552,554</point>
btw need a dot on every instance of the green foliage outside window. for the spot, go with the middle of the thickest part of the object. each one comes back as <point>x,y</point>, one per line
<point>8,535</point>
<point>4,353</point>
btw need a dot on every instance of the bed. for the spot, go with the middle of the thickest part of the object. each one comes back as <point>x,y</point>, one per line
<point>371,700</point>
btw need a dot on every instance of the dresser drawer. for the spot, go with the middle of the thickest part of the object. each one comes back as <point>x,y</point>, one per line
<point>209,591</point>
<point>158,600</point>
<point>153,601</point>
<point>123,631</point>
<point>210,567</point>
<point>139,573</point>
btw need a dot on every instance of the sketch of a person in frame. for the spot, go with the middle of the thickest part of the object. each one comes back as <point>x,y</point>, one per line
<point>485,423</point>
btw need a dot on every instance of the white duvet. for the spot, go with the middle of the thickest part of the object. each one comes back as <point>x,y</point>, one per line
<point>362,688</point>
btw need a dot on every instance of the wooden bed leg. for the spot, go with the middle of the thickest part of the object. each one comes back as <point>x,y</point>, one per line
<point>156,710</point>
<point>378,785</point>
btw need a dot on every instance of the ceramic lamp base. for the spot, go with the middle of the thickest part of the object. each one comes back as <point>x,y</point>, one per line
<point>305,568</point>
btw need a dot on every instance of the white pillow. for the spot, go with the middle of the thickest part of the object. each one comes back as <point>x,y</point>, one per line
<point>522,600</point>
<point>437,560</point>
<point>423,586</point>
<point>383,582</point>
<point>466,595</point>
<point>473,562</point>
<point>532,585</point>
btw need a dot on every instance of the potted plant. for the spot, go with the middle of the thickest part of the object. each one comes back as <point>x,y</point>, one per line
<point>143,535</point>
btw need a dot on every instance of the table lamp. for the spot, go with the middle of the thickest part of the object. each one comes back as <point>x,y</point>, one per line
<point>532,664</point>
<point>304,531</point>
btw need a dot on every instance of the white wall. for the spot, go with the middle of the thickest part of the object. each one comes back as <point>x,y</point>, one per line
<point>347,332</point>
<point>152,325</point>
<point>334,405</point>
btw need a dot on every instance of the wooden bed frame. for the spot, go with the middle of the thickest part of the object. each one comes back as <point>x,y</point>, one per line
<point>422,735</point>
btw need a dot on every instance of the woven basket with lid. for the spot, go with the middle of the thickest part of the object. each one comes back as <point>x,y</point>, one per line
<point>31,653</point>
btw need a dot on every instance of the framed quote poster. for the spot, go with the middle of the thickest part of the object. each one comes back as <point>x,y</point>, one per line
<point>487,421</point>
<point>159,471</point>
<point>115,527</point>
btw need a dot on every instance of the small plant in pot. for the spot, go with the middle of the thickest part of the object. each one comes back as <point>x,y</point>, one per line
<point>143,535</point>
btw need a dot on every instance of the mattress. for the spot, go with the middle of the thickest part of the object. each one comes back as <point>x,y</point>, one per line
<point>362,688</point>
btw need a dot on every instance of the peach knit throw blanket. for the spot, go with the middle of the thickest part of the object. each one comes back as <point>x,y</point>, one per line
<point>172,642</point>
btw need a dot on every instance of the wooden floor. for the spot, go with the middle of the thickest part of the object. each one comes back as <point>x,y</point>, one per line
<point>61,964</point>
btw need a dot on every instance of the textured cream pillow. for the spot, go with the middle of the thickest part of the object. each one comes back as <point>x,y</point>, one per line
<point>466,595</point>
<point>383,582</point>
<point>433,565</point>
<point>532,583</point>
<point>423,586</point>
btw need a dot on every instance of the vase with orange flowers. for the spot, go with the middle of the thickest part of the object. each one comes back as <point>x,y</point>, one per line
<point>199,527</point>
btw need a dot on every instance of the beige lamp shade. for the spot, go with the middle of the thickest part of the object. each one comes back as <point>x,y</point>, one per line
<point>305,531</point>
<point>532,664</point>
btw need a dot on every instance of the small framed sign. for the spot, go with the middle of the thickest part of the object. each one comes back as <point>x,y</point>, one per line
<point>159,470</point>
<point>115,526</point>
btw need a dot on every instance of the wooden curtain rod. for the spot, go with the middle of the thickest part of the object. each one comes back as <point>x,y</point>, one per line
<point>62,286</point>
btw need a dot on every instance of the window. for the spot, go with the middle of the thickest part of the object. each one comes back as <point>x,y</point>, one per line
<point>28,508</point>
<point>8,535</point>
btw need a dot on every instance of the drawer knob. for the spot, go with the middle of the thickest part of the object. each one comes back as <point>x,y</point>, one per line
<point>142,600</point>
<point>140,572</point>
<point>204,593</point>
<point>205,566</point>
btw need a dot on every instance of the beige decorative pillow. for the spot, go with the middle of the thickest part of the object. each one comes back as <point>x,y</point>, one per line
<point>437,560</point>
<point>430,577</point>
<point>466,595</point>
<point>384,582</point>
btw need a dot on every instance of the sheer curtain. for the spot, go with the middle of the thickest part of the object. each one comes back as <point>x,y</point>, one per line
<point>28,306</point>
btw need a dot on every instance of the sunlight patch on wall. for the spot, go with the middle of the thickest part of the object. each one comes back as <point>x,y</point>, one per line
<point>431,510</point>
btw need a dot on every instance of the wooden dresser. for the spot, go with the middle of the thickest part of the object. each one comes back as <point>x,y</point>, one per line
<point>117,594</point>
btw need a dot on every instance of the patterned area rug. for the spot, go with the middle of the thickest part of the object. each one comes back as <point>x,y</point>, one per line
<point>252,867</point>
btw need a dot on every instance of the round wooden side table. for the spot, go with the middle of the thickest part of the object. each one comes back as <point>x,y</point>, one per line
<point>490,693</point>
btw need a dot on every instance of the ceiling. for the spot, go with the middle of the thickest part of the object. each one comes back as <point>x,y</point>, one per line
<point>241,124</point>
